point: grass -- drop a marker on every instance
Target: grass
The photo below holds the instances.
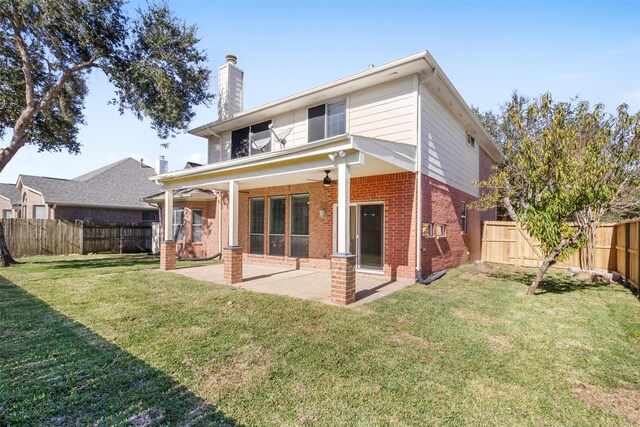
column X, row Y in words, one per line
column 105, row 340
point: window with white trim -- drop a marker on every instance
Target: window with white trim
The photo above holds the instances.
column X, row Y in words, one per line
column 471, row 141
column 196, row 225
column 178, row 224
column 276, row 225
column 327, row 120
column 250, row 140
column 299, row 233
column 39, row 212
column 256, row 225
column 441, row 230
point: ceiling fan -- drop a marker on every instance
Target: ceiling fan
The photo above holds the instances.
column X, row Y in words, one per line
column 326, row 181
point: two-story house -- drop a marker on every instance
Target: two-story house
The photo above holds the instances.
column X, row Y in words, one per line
column 369, row 173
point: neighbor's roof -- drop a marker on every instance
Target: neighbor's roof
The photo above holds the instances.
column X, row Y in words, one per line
column 9, row 191
column 119, row 185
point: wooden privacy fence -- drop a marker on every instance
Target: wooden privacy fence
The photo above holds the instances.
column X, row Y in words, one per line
column 29, row 237
column 617, row 248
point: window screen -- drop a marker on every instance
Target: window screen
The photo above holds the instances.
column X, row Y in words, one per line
column 316, row 123
column 38, row 212
column 178, row 224
column 299, row 226
column 276, row 225
column 260, row 137
column 196, row 225
column 240, row 143
column 256, row 226
column 336, row 118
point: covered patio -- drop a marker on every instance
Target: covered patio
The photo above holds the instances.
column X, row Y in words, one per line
column 309, row 284
column 347, row 158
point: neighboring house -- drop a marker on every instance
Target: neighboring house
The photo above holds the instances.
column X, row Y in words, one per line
column 109, row 194
column 9, row 201
column 373, row 172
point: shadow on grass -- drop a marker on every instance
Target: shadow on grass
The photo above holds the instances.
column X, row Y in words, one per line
column 55, row 371
column 108, row 261
column 551, row 283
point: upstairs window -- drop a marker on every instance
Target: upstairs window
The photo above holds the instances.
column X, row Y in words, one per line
column 471, row 141
column 254, row 139
column 327, row 120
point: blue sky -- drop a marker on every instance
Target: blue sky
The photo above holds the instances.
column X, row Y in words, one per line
column 487, row 49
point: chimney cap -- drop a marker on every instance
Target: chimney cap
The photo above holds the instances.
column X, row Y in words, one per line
column 231, row 59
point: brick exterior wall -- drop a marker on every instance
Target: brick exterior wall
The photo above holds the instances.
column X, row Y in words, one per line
column 442, row 204
column 72, row 213
column 397, row 192
column 210, row 244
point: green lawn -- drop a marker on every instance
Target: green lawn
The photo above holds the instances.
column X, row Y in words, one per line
column 106, row 340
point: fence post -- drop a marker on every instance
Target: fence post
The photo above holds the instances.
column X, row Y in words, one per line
column 81, row 237
column 517, row 243
column 627, row 257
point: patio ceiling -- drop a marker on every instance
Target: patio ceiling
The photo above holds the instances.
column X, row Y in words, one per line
column 298, row 165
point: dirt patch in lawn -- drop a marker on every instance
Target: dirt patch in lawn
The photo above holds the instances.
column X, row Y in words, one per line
column 474, row 316
column 500, row 342
column 405, row 338
column 236, row 375
column 623, row 401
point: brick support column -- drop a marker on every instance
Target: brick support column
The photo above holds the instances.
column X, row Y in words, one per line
column 232, row 257
column 343, row 279
column 168, row 255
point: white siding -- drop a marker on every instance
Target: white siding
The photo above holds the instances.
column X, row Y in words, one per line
column 213, row 152
column 446, row 156
column 387, row 111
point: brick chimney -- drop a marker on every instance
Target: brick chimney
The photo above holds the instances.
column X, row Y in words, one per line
column 230, row 82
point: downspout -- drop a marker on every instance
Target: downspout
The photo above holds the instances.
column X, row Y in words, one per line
column 219, row 197
column 419, row 145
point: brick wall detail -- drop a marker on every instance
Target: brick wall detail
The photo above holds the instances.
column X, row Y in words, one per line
column 212, row 212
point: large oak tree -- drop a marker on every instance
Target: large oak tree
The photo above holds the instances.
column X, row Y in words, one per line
column 48, row 48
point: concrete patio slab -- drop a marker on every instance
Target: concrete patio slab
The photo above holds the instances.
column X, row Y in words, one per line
column 303, row 283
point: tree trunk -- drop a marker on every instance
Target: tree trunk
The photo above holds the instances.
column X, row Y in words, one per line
column 5, row 256
column 551, row 259
column 548, row 262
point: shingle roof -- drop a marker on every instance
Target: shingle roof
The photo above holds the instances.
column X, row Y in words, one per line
column 10, row 192
column 120, row 184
